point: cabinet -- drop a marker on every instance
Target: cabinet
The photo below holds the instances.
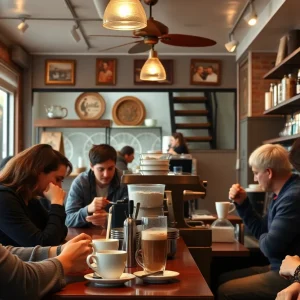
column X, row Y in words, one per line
column 289, row 65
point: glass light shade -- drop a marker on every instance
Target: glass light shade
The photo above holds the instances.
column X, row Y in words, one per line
column 124, row 15
column 153, row 69
column 23, row 26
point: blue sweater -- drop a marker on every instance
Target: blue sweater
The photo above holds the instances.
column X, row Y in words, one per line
column 83, row 192
column 279, row 231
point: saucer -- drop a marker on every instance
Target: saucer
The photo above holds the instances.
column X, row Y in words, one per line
column 158, row 278
column 109, row 282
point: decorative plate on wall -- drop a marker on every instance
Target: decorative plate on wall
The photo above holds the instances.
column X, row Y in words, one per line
column 129, row 111
column 90, row 106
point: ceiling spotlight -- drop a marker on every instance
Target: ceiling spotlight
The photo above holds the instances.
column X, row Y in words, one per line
column 75, row 34
column 124, row 15
column 23, row 26
column 153, row 69
column 251, row 17
column 231, row 45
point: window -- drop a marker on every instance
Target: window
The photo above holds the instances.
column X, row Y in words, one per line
column 6, row 124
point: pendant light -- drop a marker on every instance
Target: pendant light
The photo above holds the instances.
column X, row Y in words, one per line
column 124, row 15
column 153, row 69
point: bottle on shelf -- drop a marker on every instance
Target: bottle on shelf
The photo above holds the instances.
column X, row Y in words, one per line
column 284, row 88
column 272, row 94
column 298, row 83
column 279, row 93
column 290, row 87
column 275, row 94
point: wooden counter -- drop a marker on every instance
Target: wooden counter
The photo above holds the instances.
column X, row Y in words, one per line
column 235, row 249
column 190, row 284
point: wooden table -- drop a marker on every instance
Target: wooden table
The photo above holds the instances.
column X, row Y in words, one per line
column 190, row 284
column 235, row 249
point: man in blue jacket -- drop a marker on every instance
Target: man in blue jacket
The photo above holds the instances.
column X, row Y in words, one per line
column 278, row 232
column 92, row 190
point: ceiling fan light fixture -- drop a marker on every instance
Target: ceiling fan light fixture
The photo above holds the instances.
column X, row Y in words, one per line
column 23, row 26
column 153, row 69
column 124, row 15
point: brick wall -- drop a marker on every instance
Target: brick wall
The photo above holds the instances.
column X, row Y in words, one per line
column 262, row 63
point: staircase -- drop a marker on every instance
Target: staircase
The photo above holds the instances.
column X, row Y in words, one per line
column 193, row 116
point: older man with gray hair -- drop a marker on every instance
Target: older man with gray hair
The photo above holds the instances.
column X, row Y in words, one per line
column 278, row 231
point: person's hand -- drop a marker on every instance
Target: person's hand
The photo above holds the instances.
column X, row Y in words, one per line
column 97, row 204
column 98, row 218
column 292, row 292
column 289, row 265
column 74, row 253
column 55, row 194
column 237, row 193
column 171, row 151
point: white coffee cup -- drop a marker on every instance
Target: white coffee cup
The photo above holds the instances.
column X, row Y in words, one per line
column 109, row 264
column 103, row 244
column 224, row 208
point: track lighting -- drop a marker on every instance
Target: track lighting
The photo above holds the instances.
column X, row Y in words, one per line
column 124, row 15
column 153, row 69
column 23, row 26
column 231, row 45
column 251, row 17
column 75, row 34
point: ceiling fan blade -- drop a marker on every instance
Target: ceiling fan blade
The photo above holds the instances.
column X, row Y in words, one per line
column 110, row 35
column 184, row 40
column 102, row 50
column 139, row 48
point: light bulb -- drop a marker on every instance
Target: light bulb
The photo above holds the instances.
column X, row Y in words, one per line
column 153, row 69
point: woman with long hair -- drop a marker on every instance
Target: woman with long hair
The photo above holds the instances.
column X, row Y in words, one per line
column 36, row 172
column 177, row 144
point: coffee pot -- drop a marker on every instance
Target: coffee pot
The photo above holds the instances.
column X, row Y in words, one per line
column 56, row 111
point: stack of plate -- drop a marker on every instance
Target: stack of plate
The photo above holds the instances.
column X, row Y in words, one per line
column 154, row 164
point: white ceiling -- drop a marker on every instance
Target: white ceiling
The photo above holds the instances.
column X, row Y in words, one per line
column 207, row 18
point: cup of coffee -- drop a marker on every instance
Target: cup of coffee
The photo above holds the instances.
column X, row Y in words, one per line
column 224, row 208
column 109, row 264
column 152, row 256
column 103, row 244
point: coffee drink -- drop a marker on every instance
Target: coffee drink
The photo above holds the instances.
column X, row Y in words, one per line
column 154, row 249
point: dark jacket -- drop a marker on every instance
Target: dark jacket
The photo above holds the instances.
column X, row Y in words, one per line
column 279, row 231
column 29, row 225
column 121, row 163
column 83, row 192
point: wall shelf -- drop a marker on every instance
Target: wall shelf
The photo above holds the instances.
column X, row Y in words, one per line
column 287, row 107
column 284, row 140
column 72, row 123
column 285, row 67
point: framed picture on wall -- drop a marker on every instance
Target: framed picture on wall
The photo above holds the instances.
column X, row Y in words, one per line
column 60, row 72
column 205, row 72
column 106, row 71
column 168, row 65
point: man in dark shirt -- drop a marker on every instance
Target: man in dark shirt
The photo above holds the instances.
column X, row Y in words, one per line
column 278, row 232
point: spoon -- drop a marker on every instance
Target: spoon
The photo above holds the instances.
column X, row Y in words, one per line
column 150, row 274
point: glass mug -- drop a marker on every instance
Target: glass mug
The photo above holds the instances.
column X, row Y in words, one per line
column 152, row 256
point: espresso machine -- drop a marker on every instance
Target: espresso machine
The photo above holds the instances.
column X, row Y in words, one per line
column 182, row 188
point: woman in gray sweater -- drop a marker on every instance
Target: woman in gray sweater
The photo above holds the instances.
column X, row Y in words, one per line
column 32, row 280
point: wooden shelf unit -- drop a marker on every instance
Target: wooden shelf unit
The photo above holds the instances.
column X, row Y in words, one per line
column 284, row 140
column 290, row 106
column 287, row 107
column 291, row 62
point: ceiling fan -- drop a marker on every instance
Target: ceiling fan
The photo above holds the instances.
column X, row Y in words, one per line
column 156, row 32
